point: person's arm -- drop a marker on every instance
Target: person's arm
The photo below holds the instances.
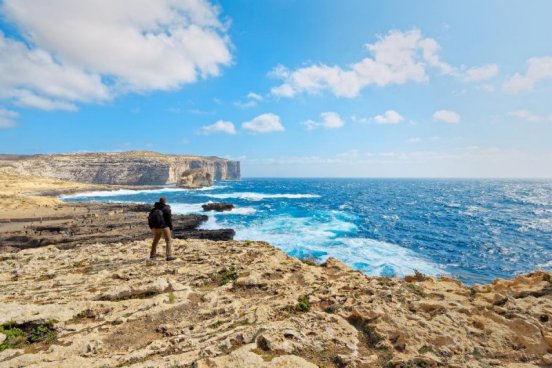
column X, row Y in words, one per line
column 168, row 216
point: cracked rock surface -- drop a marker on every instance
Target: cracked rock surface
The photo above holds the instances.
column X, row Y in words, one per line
column 248, row 304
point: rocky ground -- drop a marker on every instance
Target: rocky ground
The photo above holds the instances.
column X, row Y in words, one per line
column 248, row 304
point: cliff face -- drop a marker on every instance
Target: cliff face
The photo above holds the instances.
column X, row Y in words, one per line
column 125, row 168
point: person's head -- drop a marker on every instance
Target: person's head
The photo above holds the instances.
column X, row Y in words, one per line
column 163, row 200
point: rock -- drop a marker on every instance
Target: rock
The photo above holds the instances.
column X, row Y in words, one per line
column 123, row 168
column 2, row 338
column 195, row 178
column 219, row 234
column 219, row 207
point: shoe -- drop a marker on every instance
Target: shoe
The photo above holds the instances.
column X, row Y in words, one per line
column 171, row 258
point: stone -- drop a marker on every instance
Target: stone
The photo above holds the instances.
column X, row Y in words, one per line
column 2, row 338
column 194, row 179
column 219, row 207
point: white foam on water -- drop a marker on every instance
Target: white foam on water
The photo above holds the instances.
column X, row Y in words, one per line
column 252, row 196
column 122, row 192
column 326, row 238
column 380, row 257
column 187, row 208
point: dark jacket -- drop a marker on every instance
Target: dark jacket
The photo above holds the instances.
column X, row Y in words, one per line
column 167, row 216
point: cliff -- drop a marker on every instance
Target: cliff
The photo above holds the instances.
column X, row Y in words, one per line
column 248, row 304
column 124, row 168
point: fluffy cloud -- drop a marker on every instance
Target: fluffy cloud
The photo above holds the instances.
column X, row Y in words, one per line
column 7, row 118
column 330, row 120
column 265, row 123
column 481, row 73
column 220, row 126
column 389, row 117
column 90, row 51
column 397, row 58
column 538, row 68
column 252, row 100
column 446, row 116
column 528, row 116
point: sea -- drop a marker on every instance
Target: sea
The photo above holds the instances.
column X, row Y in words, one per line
column 472, row 230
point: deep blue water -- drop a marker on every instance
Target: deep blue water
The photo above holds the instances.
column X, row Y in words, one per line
column 474, row 230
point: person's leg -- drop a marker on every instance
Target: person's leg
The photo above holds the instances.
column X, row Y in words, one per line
column 156, row 236
column 167, row 236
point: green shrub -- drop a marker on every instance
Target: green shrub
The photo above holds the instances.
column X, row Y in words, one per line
column 303, row 304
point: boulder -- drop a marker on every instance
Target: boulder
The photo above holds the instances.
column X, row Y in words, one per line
column 195, row 178
column 218, row 234
column 219, row 207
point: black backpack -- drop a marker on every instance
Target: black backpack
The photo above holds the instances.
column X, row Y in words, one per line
column 156, row 219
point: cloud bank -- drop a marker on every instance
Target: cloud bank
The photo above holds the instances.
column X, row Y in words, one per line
column 91, row 51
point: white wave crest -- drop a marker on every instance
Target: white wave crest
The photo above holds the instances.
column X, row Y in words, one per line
column 252, row 196
column 123, row 192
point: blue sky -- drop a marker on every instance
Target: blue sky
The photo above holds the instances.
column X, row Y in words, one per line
column 290, row 88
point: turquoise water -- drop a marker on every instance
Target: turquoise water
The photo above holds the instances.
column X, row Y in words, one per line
column 474, row 230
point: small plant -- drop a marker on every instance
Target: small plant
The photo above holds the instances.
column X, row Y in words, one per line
column 227, row 276
column 546, row 277
column 30, row 333
column 416, row 289
column 419, row 276
column 311, row 261
column 171, row 297
column 303, row 304
column 14, row 336
column 472, row 294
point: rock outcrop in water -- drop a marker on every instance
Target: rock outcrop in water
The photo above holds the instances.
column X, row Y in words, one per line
column 124, row 168
column 217, row 206
column 194, row 179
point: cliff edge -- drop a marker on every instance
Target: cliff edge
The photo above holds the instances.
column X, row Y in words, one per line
column 120, row 168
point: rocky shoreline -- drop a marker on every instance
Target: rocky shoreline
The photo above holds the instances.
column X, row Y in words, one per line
column 92, row 298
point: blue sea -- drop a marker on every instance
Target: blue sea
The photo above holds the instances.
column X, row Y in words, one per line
column 473, row 230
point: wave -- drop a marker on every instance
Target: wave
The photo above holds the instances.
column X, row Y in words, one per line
column 127, row 192
column 252, row 196
column 188, row 208
column 384, row 259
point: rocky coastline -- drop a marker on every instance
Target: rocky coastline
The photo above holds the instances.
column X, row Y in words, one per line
column 90, row 297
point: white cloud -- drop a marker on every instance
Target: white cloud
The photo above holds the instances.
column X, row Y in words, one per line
column 481, row 73
column 220, row 126
column 264, row 123
column 389, row 117
column 7, row 118
column 446, row 116
column 397, row 58
column 330, row 120
column 252, row 100
column 89, row 51
column 254, row 96
column 538, row 68
column 528, row 116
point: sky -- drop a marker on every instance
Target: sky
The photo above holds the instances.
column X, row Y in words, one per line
column 290, row 88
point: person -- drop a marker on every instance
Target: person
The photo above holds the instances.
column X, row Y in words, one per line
column 160, row 223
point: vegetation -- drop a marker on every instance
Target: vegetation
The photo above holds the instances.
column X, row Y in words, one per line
column 227, row 275
column 17, row 336
column 303, row 304
column 171, row 297
column 311, row 261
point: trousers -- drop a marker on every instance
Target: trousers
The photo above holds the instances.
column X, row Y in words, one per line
column 157, row 234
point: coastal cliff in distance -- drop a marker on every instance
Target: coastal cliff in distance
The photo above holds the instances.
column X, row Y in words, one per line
column 120, row 168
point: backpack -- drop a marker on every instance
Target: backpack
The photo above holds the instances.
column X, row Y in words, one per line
column 156, row 218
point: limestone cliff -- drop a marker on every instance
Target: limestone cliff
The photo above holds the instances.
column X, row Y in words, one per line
column 122, row 168
column 195, row 178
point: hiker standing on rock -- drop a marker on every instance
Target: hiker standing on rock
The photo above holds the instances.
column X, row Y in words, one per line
column 160, row 223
